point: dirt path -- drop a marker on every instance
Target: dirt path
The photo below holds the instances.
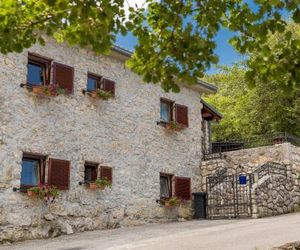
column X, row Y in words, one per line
column 258, row 234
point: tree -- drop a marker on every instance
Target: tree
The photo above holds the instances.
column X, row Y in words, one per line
column 175, row 37
column 248, row 112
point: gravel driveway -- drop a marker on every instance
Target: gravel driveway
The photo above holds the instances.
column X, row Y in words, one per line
column 258, row 234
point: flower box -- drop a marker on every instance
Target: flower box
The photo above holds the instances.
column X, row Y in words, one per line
column 30, row 193
column 48, row 90
column 38, row 90
column 172, row 202
column 173, row 126
column 100, row 93
column 92, row 186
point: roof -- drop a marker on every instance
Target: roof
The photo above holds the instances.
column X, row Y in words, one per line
column 209, row 113
column 202, row 86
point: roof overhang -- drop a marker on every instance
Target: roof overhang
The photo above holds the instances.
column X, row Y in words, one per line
column 209, row 113
column 201, row 86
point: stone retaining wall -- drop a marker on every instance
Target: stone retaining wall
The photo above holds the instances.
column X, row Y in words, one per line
column 273, row 194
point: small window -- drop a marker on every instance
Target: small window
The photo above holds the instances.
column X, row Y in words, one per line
column 93, row 82
column 90, row 172
column 166, row 110
column 96, row 82
column 165, row 186
column 33, row 171
column 38, row 71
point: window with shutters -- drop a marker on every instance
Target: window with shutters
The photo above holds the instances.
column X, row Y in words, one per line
column 90, row 172
column 33, row 170
column 106, row 173
column 38, row 70
column 59, row 173
column 98, row 86
column 183, row 188
column 173, row 116
column 165, row 186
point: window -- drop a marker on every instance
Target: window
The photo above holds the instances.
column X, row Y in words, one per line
column 93, row 82
column 90, row 172
column 33, row 170
column 166, row 110
column 38, row 70
column 165, row 186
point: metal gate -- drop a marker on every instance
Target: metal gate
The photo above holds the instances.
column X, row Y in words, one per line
column 229, row 196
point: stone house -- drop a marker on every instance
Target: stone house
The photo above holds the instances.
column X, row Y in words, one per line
column 65, row 135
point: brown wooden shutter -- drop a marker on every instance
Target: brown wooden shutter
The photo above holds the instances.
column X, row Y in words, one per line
column 59, row 173
column 183, row 188
column 106, row 172
column 181, row 115
column 109, row 86
column 94, row 173
column 63, row 76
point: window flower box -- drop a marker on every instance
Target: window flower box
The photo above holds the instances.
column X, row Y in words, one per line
column 46, row 193
column 48, row 90
column 38, row 90
column 172, row 202
column 92, row 185
column 100, row 93
column 103, row 183
column 173, row 126
column 30, row 193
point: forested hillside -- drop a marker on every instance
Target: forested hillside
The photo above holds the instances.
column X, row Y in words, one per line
column 259, row 106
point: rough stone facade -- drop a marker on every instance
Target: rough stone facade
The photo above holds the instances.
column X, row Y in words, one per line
column 274, row 193
column 121, row 133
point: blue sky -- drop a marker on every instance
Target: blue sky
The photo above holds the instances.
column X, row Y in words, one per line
column 227, row 55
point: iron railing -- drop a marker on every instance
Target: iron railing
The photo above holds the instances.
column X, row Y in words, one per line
column 270, row 168
column 218, row 177
column 217, row 148
column 212, row 156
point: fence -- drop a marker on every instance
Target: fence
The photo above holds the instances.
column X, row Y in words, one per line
column 271, row 168
column 217, row 148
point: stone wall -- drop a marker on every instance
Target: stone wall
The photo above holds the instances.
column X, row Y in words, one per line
column 274, row 193
column 121, row 133
column 246, row 160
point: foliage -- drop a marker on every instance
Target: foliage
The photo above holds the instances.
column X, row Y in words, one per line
column 103, row 183
column 176, row 38
column 46, row 192
column 173, row 125
column 105, row 95
column 173, row 201
column 247, row 111
column 54, row 90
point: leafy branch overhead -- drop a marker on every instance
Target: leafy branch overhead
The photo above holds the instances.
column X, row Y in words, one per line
column 176, row 38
